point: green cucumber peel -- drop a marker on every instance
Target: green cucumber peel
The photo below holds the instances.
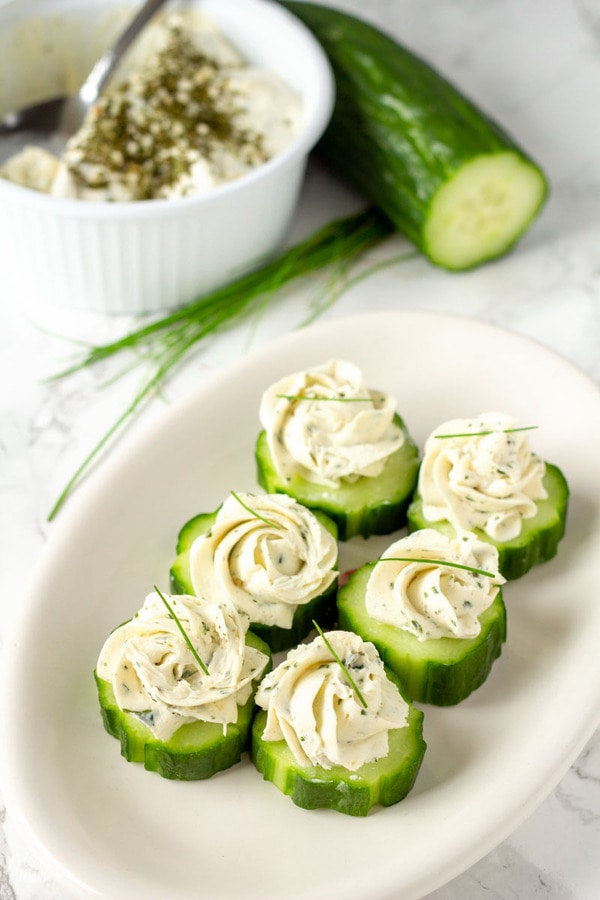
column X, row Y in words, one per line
column 293, row 397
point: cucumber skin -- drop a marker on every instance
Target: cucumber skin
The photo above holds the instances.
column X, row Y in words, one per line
column 321, row 608
column 439, row 671
column 399, row 129
column 384, row 782
column 196, row 751
column 381, row 513
column 537, row 542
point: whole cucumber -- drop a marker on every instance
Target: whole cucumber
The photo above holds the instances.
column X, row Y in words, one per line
column 446, row 175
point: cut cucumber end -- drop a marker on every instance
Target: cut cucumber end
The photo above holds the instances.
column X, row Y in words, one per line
column 483, row 210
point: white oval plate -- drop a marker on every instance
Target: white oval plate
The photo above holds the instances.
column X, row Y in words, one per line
column 116, row 831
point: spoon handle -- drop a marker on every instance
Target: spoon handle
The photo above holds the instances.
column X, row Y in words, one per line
column 104, row 68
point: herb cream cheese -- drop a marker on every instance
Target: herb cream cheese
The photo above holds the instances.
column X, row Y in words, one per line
column 325, row 425
column 480, row 473
column 267, row 553
column 433, row 586
column 188, row 116
column 156, row 677
column 312, row 705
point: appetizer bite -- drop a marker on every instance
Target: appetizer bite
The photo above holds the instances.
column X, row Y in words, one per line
column 480, row 475
column 432, row 605
column 176, row 685
column 335, row 730
column 272, row 557
column 338, row 446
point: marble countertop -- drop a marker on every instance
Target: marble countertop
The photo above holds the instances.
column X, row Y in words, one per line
column 535, row 67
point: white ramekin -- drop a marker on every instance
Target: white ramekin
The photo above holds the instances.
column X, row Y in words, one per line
column 157, row 254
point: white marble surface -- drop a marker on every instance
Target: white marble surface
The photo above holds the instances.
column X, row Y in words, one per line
column 536, row 67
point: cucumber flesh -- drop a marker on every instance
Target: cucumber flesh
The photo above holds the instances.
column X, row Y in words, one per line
column 179, row 573
column 445, row 174
column 385, row 781
column 367, row 506
column 321, row 608
column 195, row 751
column 482, row 210
column 539, row 537
column 440, row 671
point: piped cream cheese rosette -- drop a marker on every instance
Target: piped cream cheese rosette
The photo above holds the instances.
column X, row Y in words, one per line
column 338, row 446
column 481, row 473
column 268, row 554
column 432, row 586
column 325, row 425
column 312, row 705
column 156, row 677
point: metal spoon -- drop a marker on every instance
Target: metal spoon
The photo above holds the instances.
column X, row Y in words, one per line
column 62, row 116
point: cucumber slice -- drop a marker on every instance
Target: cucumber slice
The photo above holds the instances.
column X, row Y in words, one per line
column 447, row 176
column 195, row 751
column 440, row 671
column 540, row 535
column 321, row 608
column 385, row 781
column 368, row 506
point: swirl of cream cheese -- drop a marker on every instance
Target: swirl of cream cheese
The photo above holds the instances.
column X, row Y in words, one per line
column 312, row 705
column 419, row 584
column 267, row 553
column 325, row 425
column 155, row 676
column 482, row 476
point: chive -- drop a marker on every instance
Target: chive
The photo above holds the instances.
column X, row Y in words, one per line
column 164, row 342
column 342, row 666
column 183, row 631
column 254, row 513
column 329, row 399
column 491, row 431
column 437, row 562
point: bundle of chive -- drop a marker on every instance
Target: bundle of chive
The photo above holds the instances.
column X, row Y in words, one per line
column 428, row 164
